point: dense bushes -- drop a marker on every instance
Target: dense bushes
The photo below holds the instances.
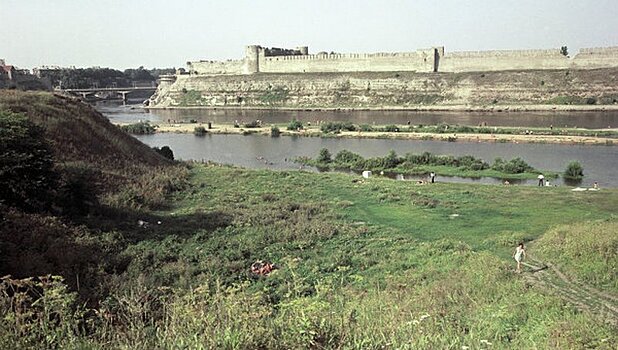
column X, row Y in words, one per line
column 408, row 163
column 337, row 127
column 574, row 171
column 141, row 128
column 200, row 131
column 324, row 156
column 26, row 163
column 274, row 131
column 295, row 125
column 514, row 166
column 165, row 151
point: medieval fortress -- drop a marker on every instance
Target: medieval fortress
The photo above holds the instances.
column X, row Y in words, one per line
column 259, row 59
column 294, row 78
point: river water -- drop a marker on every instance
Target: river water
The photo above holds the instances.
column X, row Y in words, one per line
column 590, row 120
column 256, row 151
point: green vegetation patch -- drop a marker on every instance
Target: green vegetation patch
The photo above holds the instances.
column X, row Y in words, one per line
column 274, row 96
column 141, row 128
column 586, row 251
column 423, row 164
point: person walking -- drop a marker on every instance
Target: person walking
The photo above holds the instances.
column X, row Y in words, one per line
column 519, row 255
column 432, row 175
column 541, row 178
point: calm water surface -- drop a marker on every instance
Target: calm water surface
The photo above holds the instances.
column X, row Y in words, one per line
column 589, row 120
column 255, row 151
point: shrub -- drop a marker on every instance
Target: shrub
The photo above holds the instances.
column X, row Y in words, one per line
column 200, row 131
column 514, row 166
column 26, row 162
column 165, row 151
column 366, row 127
column 77, row 189
column 141, row 128
column 336, row 127
column 253, row 124
column 347, row 157
column 275, row 132
column 295, row 125
column 391, row 160
column 574, row 171
column 391, row 128
column 325, row 156
column 472, row 163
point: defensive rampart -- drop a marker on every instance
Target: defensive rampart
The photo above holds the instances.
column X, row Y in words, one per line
column 592, row 58
column 419, row 61
column 276, row 60
column 480, row 61
column 216, row 67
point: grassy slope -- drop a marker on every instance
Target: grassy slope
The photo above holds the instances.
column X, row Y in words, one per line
column 380, row 252
column 586, row 251
column 78, row 133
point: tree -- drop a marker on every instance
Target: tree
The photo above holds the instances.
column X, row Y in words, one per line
column 574, row 171
column 564, row 51
column 325, row 156
column 26, row 163
column 165, row 151
column 138, row 74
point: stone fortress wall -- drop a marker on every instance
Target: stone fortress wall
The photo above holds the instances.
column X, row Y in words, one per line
column 259, row 59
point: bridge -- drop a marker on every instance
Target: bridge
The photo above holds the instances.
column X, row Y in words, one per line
column 120, row 91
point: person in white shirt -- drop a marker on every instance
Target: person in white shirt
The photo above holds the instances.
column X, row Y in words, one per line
column 519, row 255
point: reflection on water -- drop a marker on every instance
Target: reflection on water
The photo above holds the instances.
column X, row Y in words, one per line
column 600, row 163
column 590, row 120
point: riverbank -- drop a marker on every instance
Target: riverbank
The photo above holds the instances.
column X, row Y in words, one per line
column 314, row 131
column 419, row 108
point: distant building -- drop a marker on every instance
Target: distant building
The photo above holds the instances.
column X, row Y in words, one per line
column 9, row 71
column 12, row 77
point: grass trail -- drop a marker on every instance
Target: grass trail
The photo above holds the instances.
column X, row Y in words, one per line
column 586, row 298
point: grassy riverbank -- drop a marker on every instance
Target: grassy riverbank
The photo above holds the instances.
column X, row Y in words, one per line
column 360, row 264
column 160, row 253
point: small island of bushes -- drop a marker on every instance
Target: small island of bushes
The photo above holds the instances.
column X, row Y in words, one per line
column 422, row 164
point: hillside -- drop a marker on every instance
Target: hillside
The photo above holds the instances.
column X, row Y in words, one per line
column 393, row 89
column 78, row 133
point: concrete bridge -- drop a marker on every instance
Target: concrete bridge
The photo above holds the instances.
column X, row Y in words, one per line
column 121, row 92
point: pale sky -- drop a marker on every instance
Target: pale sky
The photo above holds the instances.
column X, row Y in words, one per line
column 156, row 33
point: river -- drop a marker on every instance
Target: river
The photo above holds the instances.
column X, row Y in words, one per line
column 590, row 120
column 256, row 151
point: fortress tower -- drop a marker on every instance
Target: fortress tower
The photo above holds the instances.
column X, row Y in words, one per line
column 252, row 61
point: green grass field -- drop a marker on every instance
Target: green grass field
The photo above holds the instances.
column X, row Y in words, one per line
column 362, row 263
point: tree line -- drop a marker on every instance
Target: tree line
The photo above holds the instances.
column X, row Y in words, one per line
column 83, row 78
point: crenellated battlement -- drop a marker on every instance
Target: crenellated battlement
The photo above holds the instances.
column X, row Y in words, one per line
column 260, row 59
column 507, row 53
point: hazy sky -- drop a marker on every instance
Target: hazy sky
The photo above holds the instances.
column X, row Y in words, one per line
column 160, row 33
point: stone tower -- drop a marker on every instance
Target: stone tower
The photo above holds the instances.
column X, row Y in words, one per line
column 252, row 62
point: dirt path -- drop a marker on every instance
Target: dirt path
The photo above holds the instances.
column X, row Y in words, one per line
column 586, row 298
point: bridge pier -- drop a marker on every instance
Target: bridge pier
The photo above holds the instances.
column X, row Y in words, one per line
column 124, row 95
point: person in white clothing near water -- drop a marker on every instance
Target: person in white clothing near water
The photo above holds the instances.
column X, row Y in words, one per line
column 541, row 178
column 519, row 255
